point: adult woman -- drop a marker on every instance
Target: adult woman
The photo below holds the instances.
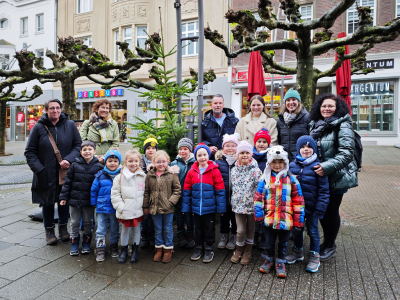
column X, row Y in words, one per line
column 292, row 122
column 101, row 128
column 256, row 119
column 43, row 162
column 331, row 127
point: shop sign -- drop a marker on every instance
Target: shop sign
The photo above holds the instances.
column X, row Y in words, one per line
column 243, row 76
column 32, row 123
column 20, row 117
column 234, row 73
column 100, row 93
column 379, row 64
column 370, row 88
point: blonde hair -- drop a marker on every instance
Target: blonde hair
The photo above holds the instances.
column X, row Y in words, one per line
column 131, row 152
column 296, row 112
column 160, row 153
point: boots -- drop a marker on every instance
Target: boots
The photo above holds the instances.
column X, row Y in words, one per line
column 74, row 245
column 87, row 240
column 167, row 255
column 313, row 262
column 246, row 258
column 63, row 232
column 144, row 242
column 114, row 250
column 237, row 255
column 50, row 236
column 135, row 253
column 101, row 254
column 123, row 256
column 190, row 239
column 159, row 253
column 268, row 265
column 182, row 239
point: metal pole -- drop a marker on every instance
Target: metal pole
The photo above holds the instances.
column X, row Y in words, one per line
column 272, row 95
column 177, row 6
column 200, row 70
column 283, row 76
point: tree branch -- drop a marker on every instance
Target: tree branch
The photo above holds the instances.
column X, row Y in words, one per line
column 9, row 96
column 268, row 61
column 328, row 19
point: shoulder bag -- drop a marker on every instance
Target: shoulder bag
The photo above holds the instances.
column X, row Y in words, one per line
column 61, row 172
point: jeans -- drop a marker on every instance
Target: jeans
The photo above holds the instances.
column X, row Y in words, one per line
column 331, row 221
column 147, row 226
column 163, row 231
column 103, row 220
column 271, row 235
column 312, row 231
column 204, row 229
column 48, row 215
column 182, row 219
column 86, row 213
column 226, row 220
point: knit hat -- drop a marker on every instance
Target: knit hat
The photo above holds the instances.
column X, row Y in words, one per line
column 306, row 140
column 292, row 94
column 263, row 133
column 230, row 138
column 244, row 146
column 275, row 152
column 185, row 142
column 201, row 146
column 115, row 153
column 150, row 141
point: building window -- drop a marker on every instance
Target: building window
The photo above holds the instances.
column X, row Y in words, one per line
column 84, row 6
column 24, row 26
column 190, row 29
column 141, row 36
column 398, row 8
column 4, row 60
column 127, row 37
column 87, row 40
column 40, row 23
column 40, row 53
column 306, row 12
column 116, row 48
column 257, row 16
column 352, row 14
column 3, row 23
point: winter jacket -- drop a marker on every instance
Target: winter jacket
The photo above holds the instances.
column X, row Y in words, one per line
column 226, row 171
column 204, row 193
column 127, row 194
column 280, row 208
column 261, row 159
column 244, row 186
column 41, row 158
column 288, row 136
column 184, row 167
column 78, row 182
column 100, row 193
column 247, row 129
column 161, row 193
column 89, row 132
column 315, row 188
column 212, row 133
column 338, row 159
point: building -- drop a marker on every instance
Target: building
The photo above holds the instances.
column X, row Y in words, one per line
column 375, row 97
column 32, row 25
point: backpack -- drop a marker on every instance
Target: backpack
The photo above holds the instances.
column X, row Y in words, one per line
column 358, row 148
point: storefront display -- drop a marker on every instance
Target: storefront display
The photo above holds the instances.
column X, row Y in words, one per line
column 372, row 106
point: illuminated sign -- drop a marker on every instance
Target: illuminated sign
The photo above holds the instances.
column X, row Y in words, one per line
column 100, row 93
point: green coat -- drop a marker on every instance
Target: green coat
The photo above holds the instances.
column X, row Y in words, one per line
column 339, row 164
column 89, row 132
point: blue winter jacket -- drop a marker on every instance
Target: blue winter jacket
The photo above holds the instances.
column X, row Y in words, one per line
column 226, row 170
column 212, row 133
column 261, row 159
column 183, row 170
column 100, row 194
column 315, row 188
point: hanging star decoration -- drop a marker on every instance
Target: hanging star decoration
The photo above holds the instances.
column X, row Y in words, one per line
column 143, row 107
column 128, row 130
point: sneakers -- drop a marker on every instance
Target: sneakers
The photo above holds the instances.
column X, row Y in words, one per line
column 74, row 245
column 268, row 265
column 223, row 241
column 198, row 252
column 63, row 232
column 208, row 255
column 101, row 254
column 280, row 268
column 50, row 236
column 182, row 239
column 114, row 250
column 232, row 242
column 327, row 253
column 313, row 263
column 123, row 256
column 87, row 240
column 296, row 255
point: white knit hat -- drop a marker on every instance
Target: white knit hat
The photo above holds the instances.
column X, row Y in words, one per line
column 242, row 147
column 275, row 152
column 230, row 138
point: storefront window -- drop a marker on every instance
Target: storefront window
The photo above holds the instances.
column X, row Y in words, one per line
column 20, row 123
column 33, row 113
column 372, row 105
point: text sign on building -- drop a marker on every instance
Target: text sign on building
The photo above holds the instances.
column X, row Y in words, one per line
column 244, row 76
column 101, row 93
column 370, row 88
column 380, row 64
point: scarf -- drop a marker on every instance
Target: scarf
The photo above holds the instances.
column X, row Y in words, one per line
column 101, row 125
column 321, row 125
column 112, row 173
column 288, row 118
column 146, row 161
column 308, row 160
column 230, row 159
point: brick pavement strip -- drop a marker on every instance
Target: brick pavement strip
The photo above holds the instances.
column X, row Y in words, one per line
column 367, row 263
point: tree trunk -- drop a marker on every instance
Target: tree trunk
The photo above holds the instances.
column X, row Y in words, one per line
column 306, row 84
column 68, row 97
column 3, row 111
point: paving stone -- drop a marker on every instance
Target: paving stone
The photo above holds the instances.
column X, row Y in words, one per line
column 111, row 267
column 111, row 295
column 219, row 256
column 21, row 236
column 51, row 296
column 170, row 294
column 66, row 266
column 34, row 242
column 20, row 267
column 4, row 282
column 52, row 252
column 4, row 245
column 11, row 219
column 14, row 252
column 147, row 263
column 30, row 286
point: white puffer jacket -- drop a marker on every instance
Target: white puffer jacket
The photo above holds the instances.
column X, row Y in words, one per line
column 127, row 196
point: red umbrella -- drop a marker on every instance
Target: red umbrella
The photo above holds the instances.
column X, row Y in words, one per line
column 343, row 77
column 256, row 84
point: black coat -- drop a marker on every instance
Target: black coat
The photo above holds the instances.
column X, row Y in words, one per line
column 78, row 182
column 288, row 136
column 226, row 171
column 211, row 132
column 41, row 158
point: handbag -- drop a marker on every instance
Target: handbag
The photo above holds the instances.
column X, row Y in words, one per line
column 61, row 172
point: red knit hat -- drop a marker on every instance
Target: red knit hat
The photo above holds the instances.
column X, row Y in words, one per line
column 263, row 133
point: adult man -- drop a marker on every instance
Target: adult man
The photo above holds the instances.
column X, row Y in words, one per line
column 217, row 122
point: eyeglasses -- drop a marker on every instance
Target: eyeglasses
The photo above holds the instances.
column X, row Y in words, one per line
column 328, row 106
column 54, row 108
column 161, row 162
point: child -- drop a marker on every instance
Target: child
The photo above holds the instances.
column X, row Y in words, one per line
column 262, row 141
column 204, row 195
column 127, row 199
column 150, row 147
column 245, row 176
column 101, row 198
column 279, row 203
column 226, row 161
column 162, row 192
column 184, row 161
column 316, row 197
column 76, row 193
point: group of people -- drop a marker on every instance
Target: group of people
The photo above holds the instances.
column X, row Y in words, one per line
column 264, row 177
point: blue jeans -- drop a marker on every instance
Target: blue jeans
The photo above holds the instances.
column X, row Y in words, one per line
column 102, row 227
column 312, row 231
column 182, row 219
column 271, row 235
column 163, row 231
